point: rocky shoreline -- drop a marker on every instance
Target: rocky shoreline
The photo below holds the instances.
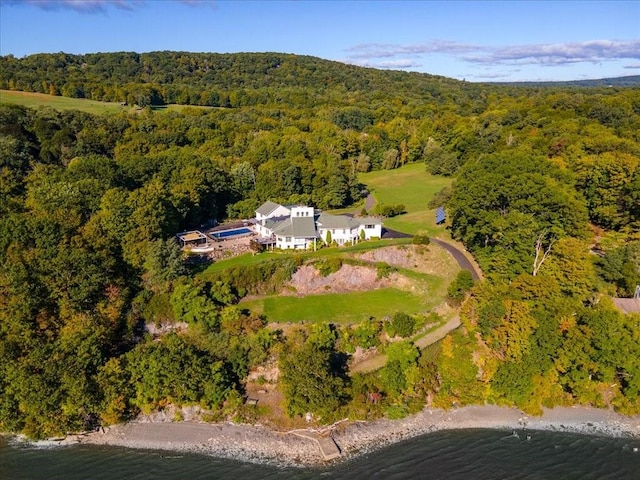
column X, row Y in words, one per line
column 258, row 444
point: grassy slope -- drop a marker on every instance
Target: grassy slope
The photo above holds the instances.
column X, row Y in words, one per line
column 352, row 307
column 35, row 100
column 413, row 187
column 428, row 290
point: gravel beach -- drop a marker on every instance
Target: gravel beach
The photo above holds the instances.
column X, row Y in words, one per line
column 259, row 444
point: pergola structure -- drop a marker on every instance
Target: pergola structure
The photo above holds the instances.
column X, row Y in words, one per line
column 192, row 238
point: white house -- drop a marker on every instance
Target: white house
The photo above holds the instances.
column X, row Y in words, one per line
column 299, row 226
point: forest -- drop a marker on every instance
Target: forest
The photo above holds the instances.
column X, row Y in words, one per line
column 546, row 195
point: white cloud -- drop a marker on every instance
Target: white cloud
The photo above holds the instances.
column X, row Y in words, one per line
column 82, row 6
column 385, row 50
column 392, row 64
column 595, row 51
column 559, row 54
column 97, row 6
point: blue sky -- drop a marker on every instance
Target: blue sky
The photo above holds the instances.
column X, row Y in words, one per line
column 476, row 40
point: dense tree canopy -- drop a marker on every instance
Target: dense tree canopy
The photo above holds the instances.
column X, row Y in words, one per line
column 89, row 205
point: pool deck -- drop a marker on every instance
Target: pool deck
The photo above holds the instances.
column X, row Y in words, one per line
column 233, row 225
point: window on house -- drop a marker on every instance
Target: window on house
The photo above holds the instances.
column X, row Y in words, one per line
column 287, row 239
column 368, row 227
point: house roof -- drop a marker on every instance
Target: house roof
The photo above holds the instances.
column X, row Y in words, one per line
column 301, row 227
column 267, row 207
column 327, row 220
column 272, row 222
column 369, row 221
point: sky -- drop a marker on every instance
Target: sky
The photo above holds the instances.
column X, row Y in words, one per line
column 480, row 41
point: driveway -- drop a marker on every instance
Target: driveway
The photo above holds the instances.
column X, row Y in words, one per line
column 459, row 257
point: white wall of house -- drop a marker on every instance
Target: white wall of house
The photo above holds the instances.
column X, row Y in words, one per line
column 261, row 229
column 371, row 230
column 295, row 243
column 301, row 211
column 339, row 235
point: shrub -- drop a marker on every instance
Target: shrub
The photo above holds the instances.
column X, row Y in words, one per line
column 461, row 285
column 390, row 210
column 264, row 278
column 384, row 270
column 421, row 239
column 403, row 324
column 396, row 412
column 367, row 334
column 328, row 266
column 328, row 238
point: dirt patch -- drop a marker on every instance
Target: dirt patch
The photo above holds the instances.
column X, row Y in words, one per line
column 429, row 259
column 262, row 387
column 350, row 278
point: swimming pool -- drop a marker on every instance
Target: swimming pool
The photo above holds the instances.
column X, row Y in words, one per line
column 234, row 232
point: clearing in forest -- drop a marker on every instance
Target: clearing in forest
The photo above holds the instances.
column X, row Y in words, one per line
column 413, row 187
column 35, row 100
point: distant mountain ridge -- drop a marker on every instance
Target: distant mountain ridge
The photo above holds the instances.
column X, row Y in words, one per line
column 213, row 79
column 237, row 79
column 626, row 81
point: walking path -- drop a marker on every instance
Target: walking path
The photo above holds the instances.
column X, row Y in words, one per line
column 369, row 202
column 438, row 334
column 379, row 361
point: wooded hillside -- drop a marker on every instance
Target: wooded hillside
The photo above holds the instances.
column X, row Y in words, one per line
column 546, row 196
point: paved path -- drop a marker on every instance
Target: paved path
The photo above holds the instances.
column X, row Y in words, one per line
column 459, row 257
column 369, row 202
column 379, row 361
column 439, row 333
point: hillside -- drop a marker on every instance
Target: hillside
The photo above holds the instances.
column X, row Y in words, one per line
column 235, row 80
column 541, row 185
column 211, row 79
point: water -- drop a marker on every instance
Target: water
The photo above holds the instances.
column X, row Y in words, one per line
column 463, row 454
column 231, row 233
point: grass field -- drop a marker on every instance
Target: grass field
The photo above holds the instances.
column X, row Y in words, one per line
column 352, row 307
column 36, row 100
column 413, row 187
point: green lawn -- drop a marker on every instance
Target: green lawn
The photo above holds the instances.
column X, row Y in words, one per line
column 35, row 100
column 413, row 187
column 351, row 307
